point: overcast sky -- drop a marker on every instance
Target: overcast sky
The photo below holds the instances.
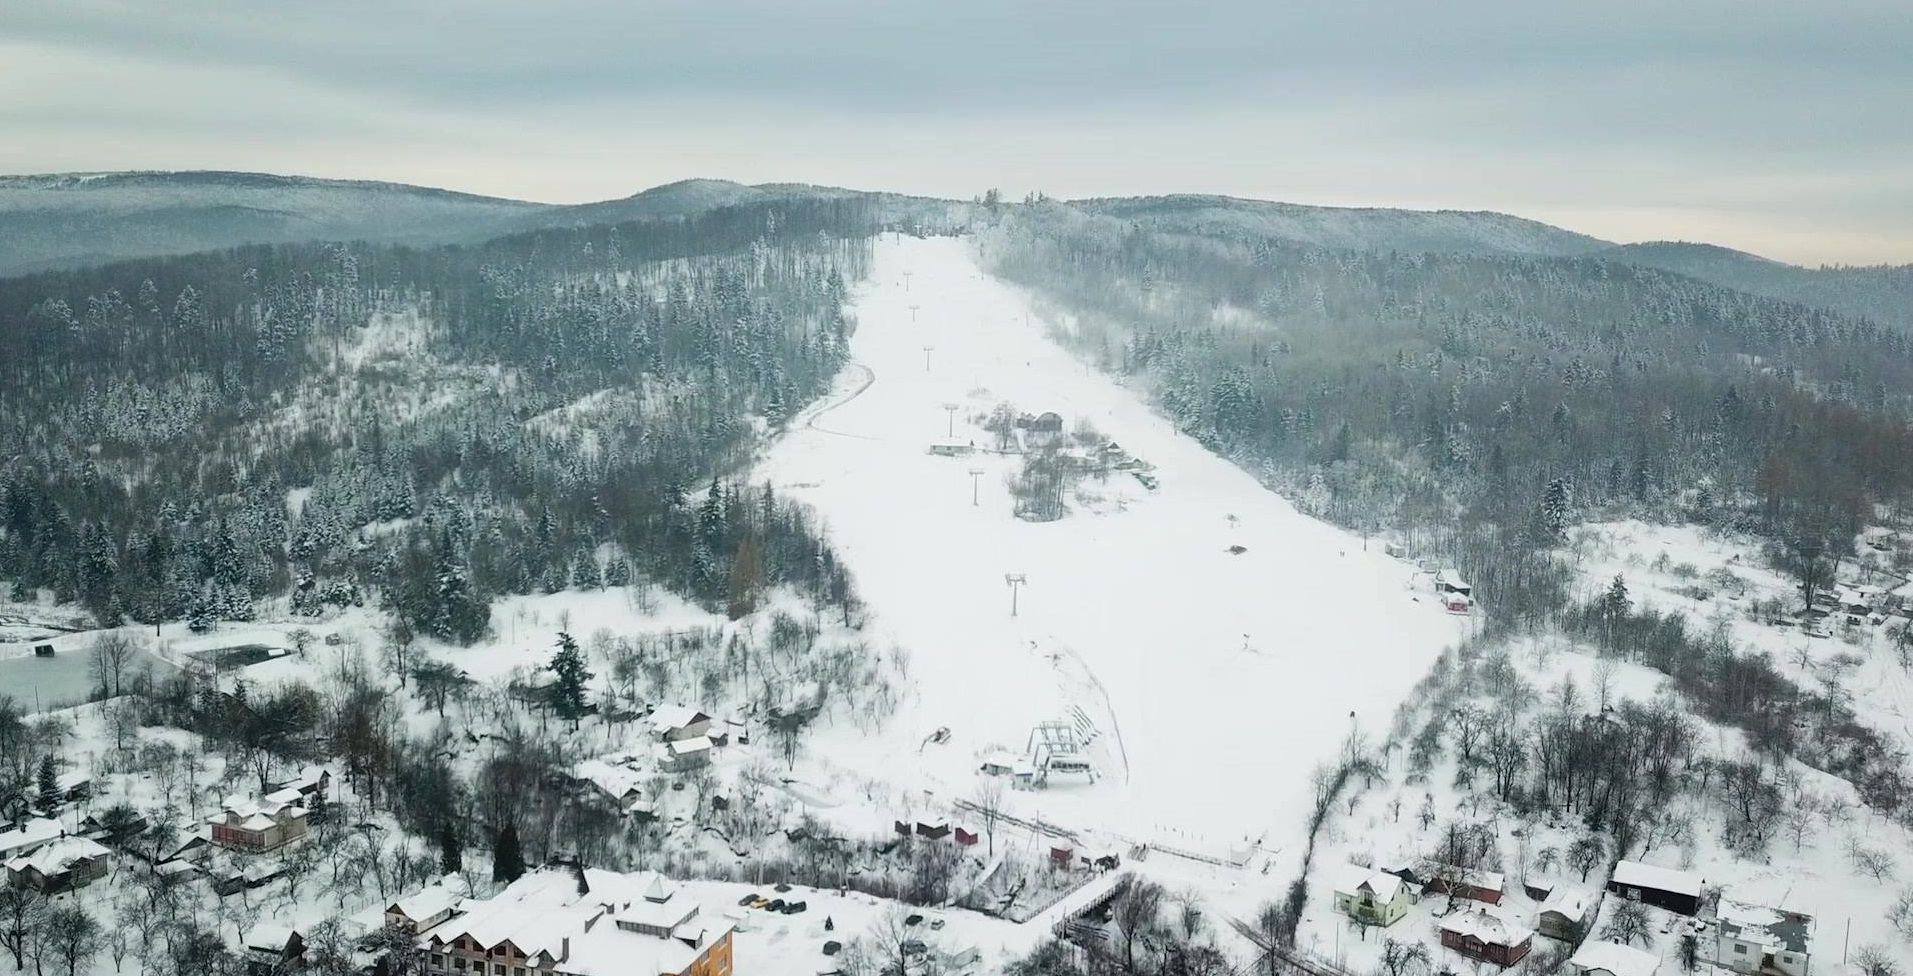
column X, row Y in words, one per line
column 1783, row 127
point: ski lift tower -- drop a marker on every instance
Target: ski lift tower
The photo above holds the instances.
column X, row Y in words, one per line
column 1055, row 747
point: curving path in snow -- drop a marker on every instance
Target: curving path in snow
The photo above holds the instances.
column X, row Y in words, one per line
column 1219, row 681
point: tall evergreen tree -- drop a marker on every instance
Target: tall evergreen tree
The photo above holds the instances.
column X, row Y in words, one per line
column 508, row 861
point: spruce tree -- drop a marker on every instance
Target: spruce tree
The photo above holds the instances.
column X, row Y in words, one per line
column 568, row 664
column 451, row 857
column 508, row 861
column 49, row 784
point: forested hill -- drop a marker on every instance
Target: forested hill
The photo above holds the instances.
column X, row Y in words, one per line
column 185, row 437
column 65, row 221
column 1347, row 228
column 1478, row 404
column 62, row 221
column 1882, row 293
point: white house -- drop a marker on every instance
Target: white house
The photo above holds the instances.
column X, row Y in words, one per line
column 1611, row 959
column 1370, row 896
column 686, row 754
column 1756, row 939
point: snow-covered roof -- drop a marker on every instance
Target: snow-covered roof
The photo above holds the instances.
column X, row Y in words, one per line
column 1350, row 878
column 1759, row 925
column 1614, row 958
column 425, row 903
column 616, row 781
column 1569, row 903
column 58, row 855
column 543, row 912
column 269, row 937
column 249, row 814
column 668, row 717
column 1487, row 925
column 694, row 744
column 1634, row 874
column 29, row 834
column 70, row 781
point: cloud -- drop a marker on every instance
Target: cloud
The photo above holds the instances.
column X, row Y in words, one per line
column 1766, row 118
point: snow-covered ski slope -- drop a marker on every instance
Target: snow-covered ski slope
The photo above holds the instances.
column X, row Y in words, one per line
column 1212, row 682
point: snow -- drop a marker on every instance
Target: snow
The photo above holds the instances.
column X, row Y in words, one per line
column 1491, row 926
column 1634, row 874
column 1209, row 684
column 1614, row 958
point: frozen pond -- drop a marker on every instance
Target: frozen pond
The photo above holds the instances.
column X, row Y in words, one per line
column 65, row 679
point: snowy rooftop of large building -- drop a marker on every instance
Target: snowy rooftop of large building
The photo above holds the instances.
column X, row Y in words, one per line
column 1615, row 958
column 1634, row 874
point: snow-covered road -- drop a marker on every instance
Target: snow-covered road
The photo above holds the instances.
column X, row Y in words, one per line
column 1215, row 681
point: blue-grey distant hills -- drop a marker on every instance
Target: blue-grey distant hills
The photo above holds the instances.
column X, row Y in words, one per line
column 68, row 220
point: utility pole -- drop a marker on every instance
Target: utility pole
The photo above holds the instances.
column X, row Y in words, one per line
column 906, row 282
column 950, row 428
column 976, row 477
column 926, row 358
column 1016, row 581
column 913, row 312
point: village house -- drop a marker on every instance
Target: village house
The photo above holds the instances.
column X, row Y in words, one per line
column 251, row 827
column 1371, row 897
column 541, row 925
column 1564, row 915
column 1482, row 886
column 28, row 836
column 309, row 781
column 683, row 755
column 272, row 948
column 1676, row 891
column 66, row 864
column 420, row 912
column 1611, row 959
column 1758, row 940
column 619, row 782
column 674, row 722
column 1046, row 430
column 1483, row 933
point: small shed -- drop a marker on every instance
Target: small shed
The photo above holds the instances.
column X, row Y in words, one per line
column 965, row 838
column 43, row 650
column 934, row 831
column 1564, row 915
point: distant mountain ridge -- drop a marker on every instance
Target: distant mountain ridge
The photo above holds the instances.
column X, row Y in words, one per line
column 63, row 220
column 1352, row 228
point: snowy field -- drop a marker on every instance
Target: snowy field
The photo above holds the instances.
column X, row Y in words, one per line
column 1213, row 683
